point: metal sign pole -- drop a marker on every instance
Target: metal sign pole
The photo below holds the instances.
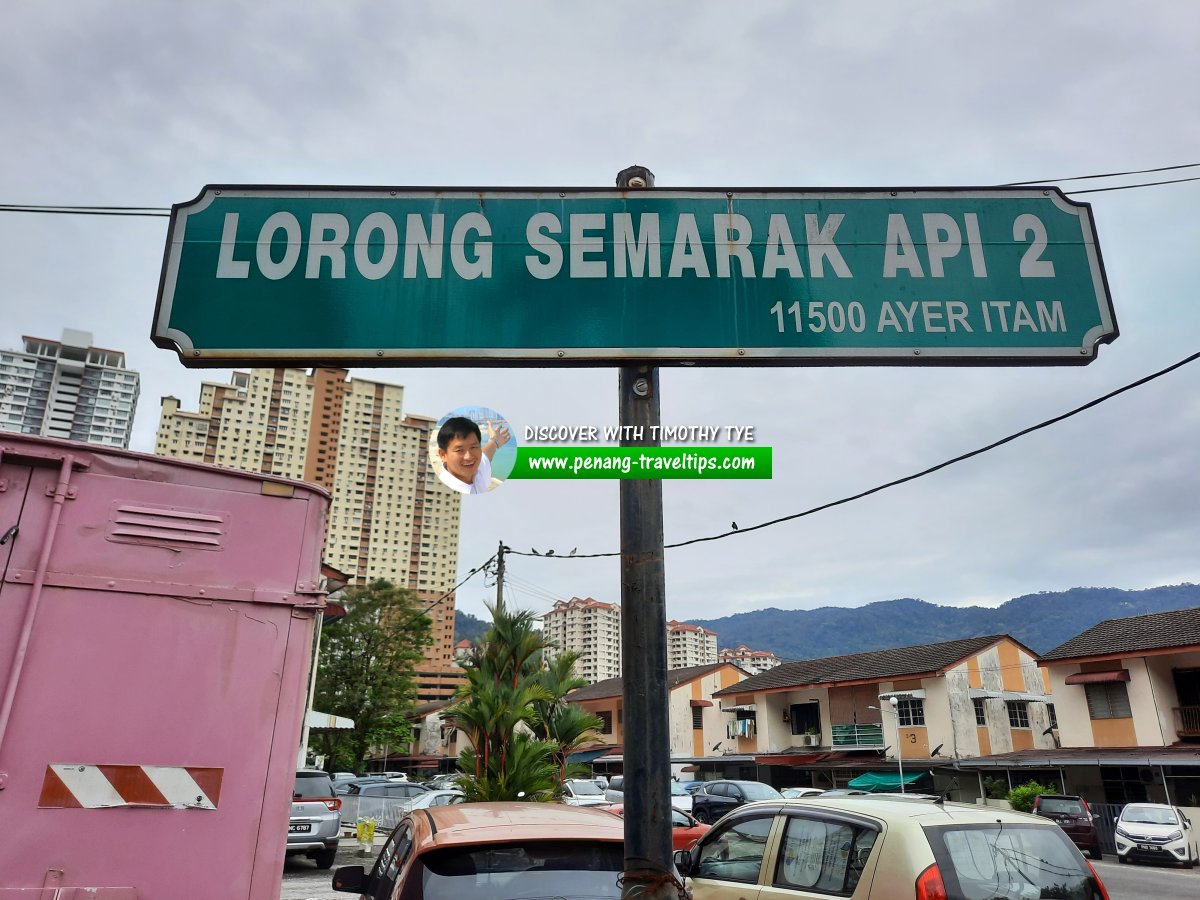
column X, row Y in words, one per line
column 646, row 743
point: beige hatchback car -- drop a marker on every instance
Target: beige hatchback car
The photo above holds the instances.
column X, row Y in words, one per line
column 868, row 848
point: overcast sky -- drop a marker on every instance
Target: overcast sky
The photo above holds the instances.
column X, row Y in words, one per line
column 142, row 103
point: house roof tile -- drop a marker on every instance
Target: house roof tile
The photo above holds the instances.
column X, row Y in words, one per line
column 1179, row 628
column 614, row 687
column 873, row 665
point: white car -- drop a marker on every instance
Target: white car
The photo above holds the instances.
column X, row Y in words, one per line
column 1156, row 832
column 583, row 792
column 681, row 798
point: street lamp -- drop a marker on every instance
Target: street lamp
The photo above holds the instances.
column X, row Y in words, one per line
column 895, row 701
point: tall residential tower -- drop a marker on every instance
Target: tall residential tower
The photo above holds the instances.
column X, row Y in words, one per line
column 68, row 389
column 390, row 516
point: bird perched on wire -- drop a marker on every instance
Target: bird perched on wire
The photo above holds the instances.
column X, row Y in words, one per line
column 734, row 524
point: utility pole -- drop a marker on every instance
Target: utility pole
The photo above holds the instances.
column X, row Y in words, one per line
column 649, row 869
column 500, row 577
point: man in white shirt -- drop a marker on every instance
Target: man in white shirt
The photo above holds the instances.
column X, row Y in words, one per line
column 467, row 466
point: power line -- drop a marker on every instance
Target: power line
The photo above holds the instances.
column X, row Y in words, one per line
column 550, row 554
column 1105, row 175
column 165, row 212
column 149, row 211
column 1126, row 187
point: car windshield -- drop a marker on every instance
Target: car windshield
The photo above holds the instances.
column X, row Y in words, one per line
column 755, row 791
column 1149, row 815
column 1005, row 861
column 678, row 790
column 1060, row 806
column 576, row 869
column 585, row 789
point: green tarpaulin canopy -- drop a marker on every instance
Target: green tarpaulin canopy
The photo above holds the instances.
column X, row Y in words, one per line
column 878, row 782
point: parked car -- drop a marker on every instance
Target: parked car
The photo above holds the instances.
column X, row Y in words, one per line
column 383, row 801
column 692, row 786
column 315, row 824
column 447, row 797
column 680, row 798
column 719, row 797
column 1072, row 814
column 615, row 792
column 443, row 781
column 873, row 849
column 583, row 792
column 685, row 830
column 795, row 793
column 1155, row 831
column 475, row 851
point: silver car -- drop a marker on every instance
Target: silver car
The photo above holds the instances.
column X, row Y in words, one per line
column 868, row 848
column 316, row 823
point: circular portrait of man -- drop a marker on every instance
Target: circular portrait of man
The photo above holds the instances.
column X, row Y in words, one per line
column 473, row 450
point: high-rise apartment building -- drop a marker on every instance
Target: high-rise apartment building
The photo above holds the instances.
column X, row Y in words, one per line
column 68, row 389
column 390, row 516
column 753, row 661
column 690, row 645
column 590, row 628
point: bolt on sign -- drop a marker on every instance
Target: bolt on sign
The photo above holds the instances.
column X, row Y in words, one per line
column 412, row 276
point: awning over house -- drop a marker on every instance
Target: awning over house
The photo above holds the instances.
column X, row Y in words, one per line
column 699, row 703
column 915, row 694
column 878, row 782
column 745, row 707
column 983, row 694
column 1098, row 677
column 318, row 721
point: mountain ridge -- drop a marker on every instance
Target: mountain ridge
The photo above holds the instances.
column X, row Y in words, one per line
column 1041, row 621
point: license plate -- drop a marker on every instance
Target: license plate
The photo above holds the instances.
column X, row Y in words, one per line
column 299, row 829
column 1150, row 847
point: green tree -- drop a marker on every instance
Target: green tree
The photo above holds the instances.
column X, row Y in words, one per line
column 1022, row 796
column 512, row 713
column 366, row 670
column 567, row 725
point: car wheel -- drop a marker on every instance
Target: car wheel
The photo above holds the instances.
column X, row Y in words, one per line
column 701, row 816
column 324, row 859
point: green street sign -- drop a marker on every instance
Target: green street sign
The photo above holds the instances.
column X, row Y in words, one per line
column 411, row 276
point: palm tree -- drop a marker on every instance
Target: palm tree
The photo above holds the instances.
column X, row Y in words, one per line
column 496, row 709
column 565, row 724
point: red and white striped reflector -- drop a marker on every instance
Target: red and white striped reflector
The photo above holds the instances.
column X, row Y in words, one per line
column 107, row 787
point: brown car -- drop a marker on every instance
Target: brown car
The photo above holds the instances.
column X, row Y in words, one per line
column 474, row 851
column 1074, row 816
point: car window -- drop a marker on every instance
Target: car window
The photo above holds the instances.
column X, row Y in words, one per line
column 679, row 820
column 535, row 869
column 391, row 860
column 312, row 787
column 1006, row 861
column 584, row 789
column 1060, row 806
column 719, row 789
column 1149, row 815
column 755, row 791
column 823, row 856
column 735, row 853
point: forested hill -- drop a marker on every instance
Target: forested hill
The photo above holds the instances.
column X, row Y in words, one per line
column 1040, row 621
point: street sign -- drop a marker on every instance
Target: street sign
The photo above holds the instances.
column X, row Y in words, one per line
column 410, row 276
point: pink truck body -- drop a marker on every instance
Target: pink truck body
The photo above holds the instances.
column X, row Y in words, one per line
column 156, row 633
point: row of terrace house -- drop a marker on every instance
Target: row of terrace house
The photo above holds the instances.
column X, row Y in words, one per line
column 826, row 722
column 1112, row 714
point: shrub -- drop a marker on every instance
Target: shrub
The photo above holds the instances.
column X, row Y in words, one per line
column 1022, row 796
column 995, row 788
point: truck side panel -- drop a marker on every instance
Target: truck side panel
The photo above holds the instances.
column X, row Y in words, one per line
column 155, row 637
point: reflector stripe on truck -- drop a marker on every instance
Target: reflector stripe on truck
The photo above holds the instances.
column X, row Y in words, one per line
column 106, row 787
